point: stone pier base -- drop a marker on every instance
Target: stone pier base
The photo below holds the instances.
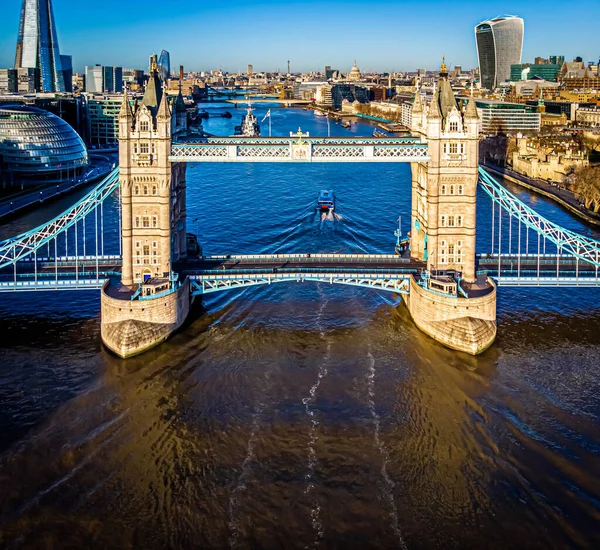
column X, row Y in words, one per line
column 132, row 327
column 463, row 324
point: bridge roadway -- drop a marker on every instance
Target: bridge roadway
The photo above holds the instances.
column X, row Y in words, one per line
column 89, row 272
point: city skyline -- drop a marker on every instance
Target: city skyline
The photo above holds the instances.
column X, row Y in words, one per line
column 322, row 34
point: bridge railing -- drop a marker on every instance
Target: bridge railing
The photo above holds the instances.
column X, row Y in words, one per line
column 567, row 242
column 27, row 244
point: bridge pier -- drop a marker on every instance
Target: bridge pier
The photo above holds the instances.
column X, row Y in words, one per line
column 462, row 324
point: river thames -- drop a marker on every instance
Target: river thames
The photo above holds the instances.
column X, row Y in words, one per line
column 300, row 415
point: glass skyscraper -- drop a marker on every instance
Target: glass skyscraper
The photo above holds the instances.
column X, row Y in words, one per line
column 164, row 65
column 37, row 44
column 499, row 45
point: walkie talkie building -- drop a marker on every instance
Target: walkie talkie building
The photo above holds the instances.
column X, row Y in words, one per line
column 37, row 44
column 499, row 45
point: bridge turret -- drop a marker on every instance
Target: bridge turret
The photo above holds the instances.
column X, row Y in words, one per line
column 443, row 234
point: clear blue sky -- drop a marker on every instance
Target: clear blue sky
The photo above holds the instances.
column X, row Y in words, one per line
column 229, row 34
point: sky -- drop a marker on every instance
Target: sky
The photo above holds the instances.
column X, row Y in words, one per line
column 382, row 35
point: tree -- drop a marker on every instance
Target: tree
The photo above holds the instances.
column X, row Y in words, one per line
column 586, row 187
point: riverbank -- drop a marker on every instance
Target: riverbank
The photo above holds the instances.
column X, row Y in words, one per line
column 564, row 198
column 17, row 202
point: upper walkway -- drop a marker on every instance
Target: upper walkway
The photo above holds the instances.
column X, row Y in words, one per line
column 297, row 148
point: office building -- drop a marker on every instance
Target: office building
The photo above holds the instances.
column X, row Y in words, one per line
column 499, row 45
column 557, row 60
column 103, row 119
column 100, row 79
column 526, row 71
column 164, row 65
column 37, row 45
column 250, row 70
column 500, row 116
column 8, row 81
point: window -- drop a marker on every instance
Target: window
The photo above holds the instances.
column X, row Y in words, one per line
column 146, row 221
column 135, row 148
column 146, row 250
column 459, row 221
column 445, row 148
column 136, row 190
column 144, row 148
column 154, row 148
column 452, row 189
column 453, row 148
column 145, row 189
column 460, row 189
column 137, row 221
column 462, row 148
column 443, row 189
column 450, row 221
column 154, row 244
column 454, row 126
column 144, row 126
column 137, row 244
column 154, row 221
column 443, row 222
column 154, row 190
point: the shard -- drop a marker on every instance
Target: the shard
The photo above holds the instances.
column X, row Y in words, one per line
column 37, row 44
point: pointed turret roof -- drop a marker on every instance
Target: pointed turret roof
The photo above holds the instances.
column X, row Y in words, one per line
column 153, row 94
column 417, row 103
column 125, row 111
column 179, row 103
column 163, row 112
column 471, row 110
column 434, row 106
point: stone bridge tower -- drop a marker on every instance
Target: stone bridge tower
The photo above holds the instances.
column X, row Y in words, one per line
column 152, row 188
column 444, row 189
column 457, row 310
column 150, row 303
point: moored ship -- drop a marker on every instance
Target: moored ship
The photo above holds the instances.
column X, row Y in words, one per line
column 249, row 126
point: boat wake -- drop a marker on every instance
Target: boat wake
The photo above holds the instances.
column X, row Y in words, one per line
column 240, row 488
column 388, row 488
column 308, row 402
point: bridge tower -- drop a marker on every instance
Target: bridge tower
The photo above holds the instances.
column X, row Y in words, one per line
column 153, row 230
column 443, row 224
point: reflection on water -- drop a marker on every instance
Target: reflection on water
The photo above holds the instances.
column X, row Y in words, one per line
column 301, row 415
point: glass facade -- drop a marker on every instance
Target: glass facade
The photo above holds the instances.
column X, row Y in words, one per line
column 498, row 116
column 526, row 71
column 499, row 45
column 37, row 44
column 35, row 144
column 164, row 65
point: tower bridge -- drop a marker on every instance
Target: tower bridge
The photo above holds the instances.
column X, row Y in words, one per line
column 147, row 288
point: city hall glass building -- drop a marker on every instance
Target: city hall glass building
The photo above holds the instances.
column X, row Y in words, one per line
column 499, row 45
column 38, row 147
column 37, row 44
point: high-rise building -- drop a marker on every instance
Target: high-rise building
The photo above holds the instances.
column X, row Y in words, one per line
column 499, row 45
column 557, row 60
column 164, row 65
column 37, row 44
column 250, row 70
column 101, row 79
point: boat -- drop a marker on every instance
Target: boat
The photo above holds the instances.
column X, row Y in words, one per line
column 249, row 126
column 326, row 201
column 226, row 114
column 203, row 114
column 345, row 124
column 319, row 113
